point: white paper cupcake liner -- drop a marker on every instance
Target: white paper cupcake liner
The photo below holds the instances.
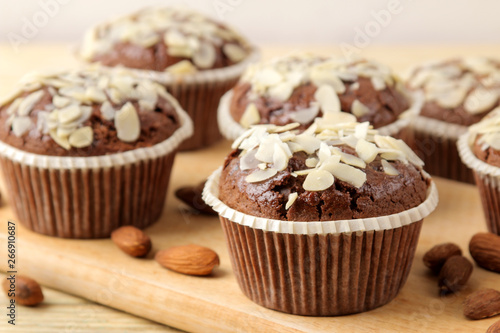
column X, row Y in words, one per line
column 231, row 129
column 320, row 268
column 199, row 94
column 436, row 144
column 89, row 197
column 488, row 182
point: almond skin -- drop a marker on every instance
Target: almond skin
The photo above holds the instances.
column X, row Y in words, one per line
column 495, row 328
column 27, row 292
column 132, row 241
column 436, row 256
column 454, row 274
column 188, row 259
column 192, row 196
column 485, row 249
column 482, row 304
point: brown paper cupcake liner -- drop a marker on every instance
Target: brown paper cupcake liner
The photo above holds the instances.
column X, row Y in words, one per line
column 320, row 268
column 199, row 94
column 89, row 197
column 436, row 145
column 231, row 129
column 488, row 183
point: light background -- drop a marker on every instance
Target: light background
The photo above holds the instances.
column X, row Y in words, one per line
column 283, row 22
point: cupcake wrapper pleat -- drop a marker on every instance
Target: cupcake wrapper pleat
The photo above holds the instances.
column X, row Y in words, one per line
column 87, row 203
column 489, row 190
column 321, row 275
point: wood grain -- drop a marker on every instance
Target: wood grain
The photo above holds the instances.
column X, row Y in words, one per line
column 101, row 273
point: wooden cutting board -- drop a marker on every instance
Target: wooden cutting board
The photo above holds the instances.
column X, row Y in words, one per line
column 100, row 272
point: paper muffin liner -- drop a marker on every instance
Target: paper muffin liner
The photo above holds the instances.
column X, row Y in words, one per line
column 487, row 179
column 231, row 129
column 320, row 268
column 436, row 144
column 89, row 197
column 199, row 94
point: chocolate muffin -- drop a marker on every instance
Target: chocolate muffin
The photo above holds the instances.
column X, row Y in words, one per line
column 458, row 93
column 480, row 150
column 310, row 208
column 196, row 58
column 299, row 88
column 95, row 146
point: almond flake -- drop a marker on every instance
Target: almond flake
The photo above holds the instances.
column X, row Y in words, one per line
column 480, row 100
column 82, row 137
column 367, row 151
column 348, row 158
column 378, row 83
column 107, row 111
column 205, row 56
column 361, row 130
column 69, row 114
column 13, row 107
column 93, row 94
column 291, row 199
column 327, row 99
column 280, row 158
column 305, row 116
column 268, row 77
column 60, row 102
column 318, row 180
column 27, row 104
column 348, row 174
column 251, row 116
column 451, row 99
column 234, row 52
column 311, row 162
column 281, row 91
column 308, row 143
column 359, row 109
column 248, row 160
column 260, row 175
column 182, row 67
column 21, row 125
column 389, row 169
column 61, row 141
column 128, row 127
column 321, row 76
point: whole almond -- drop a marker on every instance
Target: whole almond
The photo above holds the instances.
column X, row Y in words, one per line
column 495, row 328
column 132, row 241
column 192, row 196
column 454, row 274
column 485, row 249
column 188, row 259
column 26, row 291
column 482, row 304
column 436, row 256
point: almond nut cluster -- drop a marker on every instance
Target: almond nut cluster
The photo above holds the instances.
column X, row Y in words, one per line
column 278, row 79
column 268, row 149
column 72, row 97
column 473, row 82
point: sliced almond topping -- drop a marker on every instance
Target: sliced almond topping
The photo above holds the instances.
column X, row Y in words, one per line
column 27, row 104
column 250, row 117
column 348, row 174
column 348, row 158
column 94, row 94
column 12, row 109
column 205, row 56
column 366, row 150
column 262, row 166
column 21, row 125
column 359, row 109
column 389, row 169
column 311, row 162
column 234, row 52
column 175, row 38
column 69, row 114
column 291, row 199
column 107, row 111
column 305, row 116
column 480, row 100
column 451, row 99
column 128, row 127
column 268, row 77
column 318, row 180
column 248, row 160
column 321, row 76
column 281, row 91
column 308, row 143
column 82, row 137
column 327, row 99
column 260, row 175
column 60, row 101
column 280, row 158
column 378, row 82
column 182, row 67
column 61, row 141
column 361, row 130
column 64, row 132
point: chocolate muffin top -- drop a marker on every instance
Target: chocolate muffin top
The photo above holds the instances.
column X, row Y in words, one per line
column 299, row 88
column 336, row 169
column 484, row 137
column 459, row 91
column 176, row 40
column 87, row 112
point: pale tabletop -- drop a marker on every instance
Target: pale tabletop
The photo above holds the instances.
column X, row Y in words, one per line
column 65, row 313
